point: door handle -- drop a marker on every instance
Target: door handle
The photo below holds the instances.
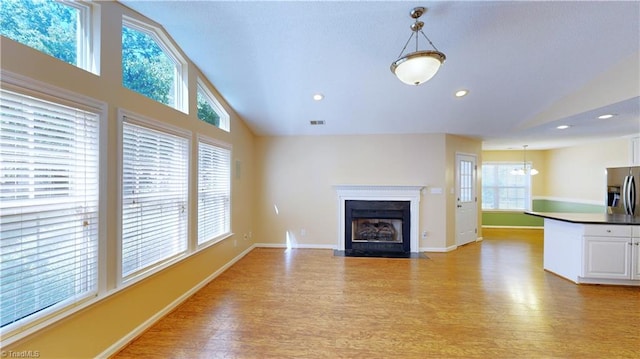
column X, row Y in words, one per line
column 631, row 192
column 626, row 198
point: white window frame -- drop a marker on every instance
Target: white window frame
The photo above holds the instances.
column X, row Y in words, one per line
column 88, row 36
column 527, row 186
column 205, row 242
column 27, row 86
column 181, row 94
column 215, row 104
column 127, row 116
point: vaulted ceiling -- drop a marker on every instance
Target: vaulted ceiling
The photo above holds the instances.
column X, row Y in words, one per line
column 529, row 66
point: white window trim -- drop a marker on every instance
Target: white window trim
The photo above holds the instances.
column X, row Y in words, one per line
column 220, row 238
column 181, row 76
column 30, row 87
column 131, row 117
column 88, row 36
column 215, row 104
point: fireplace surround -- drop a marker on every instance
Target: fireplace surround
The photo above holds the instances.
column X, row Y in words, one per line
column 409, row 196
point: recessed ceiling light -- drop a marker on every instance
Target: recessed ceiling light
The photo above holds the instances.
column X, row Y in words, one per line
column 563, row 127
column 462, row 93
column 604, row 117
column 318, row 97
column 316, row 122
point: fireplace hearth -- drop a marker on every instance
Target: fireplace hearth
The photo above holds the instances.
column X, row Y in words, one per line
column 377, row 228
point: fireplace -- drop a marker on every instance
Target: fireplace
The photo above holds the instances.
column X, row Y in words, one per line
column 390, row 223
column 377, row 227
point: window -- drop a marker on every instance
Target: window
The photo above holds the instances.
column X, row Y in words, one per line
column 62, row 30
column 502, row 190
column 466, row 178
column 210, row 110
column 149, row 67
column 48, row 208
column 214, row 191
column 154, row 196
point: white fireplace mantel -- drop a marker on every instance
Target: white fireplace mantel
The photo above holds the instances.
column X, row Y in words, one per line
column 380, row 193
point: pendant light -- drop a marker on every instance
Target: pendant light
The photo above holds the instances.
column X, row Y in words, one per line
column 524, row 170
column 417, row 67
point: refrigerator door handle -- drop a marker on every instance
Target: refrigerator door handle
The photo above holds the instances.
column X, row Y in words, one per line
column 625, row 194
column 631, row 203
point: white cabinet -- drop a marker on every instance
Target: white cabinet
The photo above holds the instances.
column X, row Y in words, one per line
column 607, row 257
column 611, row 252
column 592, row 253
column 635, row 253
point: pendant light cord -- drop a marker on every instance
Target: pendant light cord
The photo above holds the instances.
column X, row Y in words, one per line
column 407, row 43
column 430, row 43
column 409, row 39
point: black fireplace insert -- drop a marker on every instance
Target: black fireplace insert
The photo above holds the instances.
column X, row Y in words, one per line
column 377, row 228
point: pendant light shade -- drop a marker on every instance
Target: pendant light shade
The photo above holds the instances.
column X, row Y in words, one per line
column 417, row 67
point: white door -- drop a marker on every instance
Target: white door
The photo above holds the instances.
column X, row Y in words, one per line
column 466, row 199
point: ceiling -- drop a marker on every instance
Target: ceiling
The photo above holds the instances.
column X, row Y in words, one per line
column 528, row 66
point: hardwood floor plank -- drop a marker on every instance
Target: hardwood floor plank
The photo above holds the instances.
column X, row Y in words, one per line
column 490, row 299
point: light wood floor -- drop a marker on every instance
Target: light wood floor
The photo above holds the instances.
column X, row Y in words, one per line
column 490, row 299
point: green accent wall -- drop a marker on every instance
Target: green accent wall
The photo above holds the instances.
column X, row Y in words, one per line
column 510, row 219
column 519, row 219
column 545, row 205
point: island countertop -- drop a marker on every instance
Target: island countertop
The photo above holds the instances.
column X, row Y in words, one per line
column 589, row 218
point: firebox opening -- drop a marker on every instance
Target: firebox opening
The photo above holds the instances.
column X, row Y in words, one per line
column 380, row 230
column 377, row 227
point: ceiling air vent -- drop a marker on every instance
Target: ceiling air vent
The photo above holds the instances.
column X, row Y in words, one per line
column 316, row 123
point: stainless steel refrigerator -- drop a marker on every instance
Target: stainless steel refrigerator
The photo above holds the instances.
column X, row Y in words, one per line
column 622, row 190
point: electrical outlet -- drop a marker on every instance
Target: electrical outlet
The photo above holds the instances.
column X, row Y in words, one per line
column 235, row 242
column 246, row 236
column 303, row 232
column 424, row 234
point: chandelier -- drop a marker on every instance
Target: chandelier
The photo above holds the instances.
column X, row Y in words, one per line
column 419, row 66
column 524, row 170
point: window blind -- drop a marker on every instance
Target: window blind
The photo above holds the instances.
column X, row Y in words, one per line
column 214, row 191
column 48, row 206
column 154, row 197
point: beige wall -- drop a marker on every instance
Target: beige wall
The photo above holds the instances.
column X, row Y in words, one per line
column 297, row 175
column 586, row 165
column 91, row 331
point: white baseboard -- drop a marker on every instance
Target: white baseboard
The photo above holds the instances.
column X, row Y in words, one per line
column 514, row 227
column 297, row 245
column 438, row 249
column 117, row 346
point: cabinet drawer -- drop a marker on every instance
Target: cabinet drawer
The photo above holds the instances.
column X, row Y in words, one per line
column 607, row 230
column 635, row 231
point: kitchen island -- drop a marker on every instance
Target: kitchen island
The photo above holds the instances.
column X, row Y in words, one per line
column 594, row 248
